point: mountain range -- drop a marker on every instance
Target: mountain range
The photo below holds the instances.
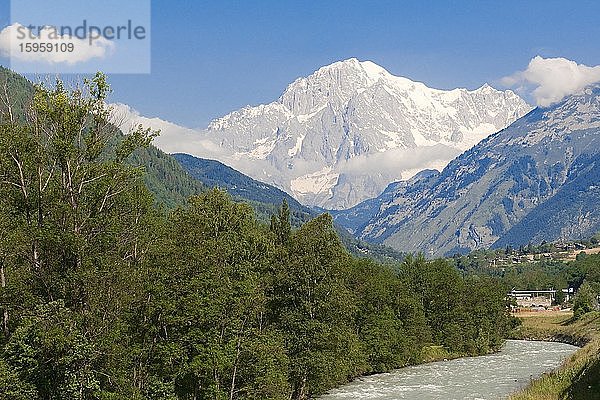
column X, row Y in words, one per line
column 538, row 179
column 342, row 134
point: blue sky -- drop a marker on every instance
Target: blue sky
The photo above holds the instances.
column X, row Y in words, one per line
column 209, row 58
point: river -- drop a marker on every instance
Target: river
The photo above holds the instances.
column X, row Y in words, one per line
column 489, row 377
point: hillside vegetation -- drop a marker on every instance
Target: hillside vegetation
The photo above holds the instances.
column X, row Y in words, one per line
column 169, row 183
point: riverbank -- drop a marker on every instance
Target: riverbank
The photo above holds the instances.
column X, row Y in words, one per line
column 434, row 353
column 492, row 376
column 579, row 376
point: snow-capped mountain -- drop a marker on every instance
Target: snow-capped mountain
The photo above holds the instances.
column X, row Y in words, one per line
column 342, row 134
column 539, row 179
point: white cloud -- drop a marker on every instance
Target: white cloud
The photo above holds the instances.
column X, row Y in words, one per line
column 173, row 138
column 401, row 163
column 553, row 78
column 12, row 36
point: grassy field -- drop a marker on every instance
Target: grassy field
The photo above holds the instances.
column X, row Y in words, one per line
column 572, row 255
column 579, row 377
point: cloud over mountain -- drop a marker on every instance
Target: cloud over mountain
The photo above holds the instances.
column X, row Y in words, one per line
column 553, row 78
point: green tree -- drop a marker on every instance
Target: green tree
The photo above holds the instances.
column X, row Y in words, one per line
column 281, row 225
column 49, row 351
column 205, row 308
column 584, row 301
column 314, row 308
column 439, row 288
column 61, row 173
column 78, row 215
column 487, row 320
column 560, row 297
column 12, row 387
column 390, row 324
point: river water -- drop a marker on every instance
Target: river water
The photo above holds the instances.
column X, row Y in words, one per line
column 489, row 377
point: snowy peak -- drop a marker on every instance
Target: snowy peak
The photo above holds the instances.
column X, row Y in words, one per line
column 333, row 84
column 337, row 83
column 343, row 133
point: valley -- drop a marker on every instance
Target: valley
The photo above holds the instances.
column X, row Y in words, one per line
column 299, row 200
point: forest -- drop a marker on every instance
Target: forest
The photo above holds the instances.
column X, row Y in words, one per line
column 106, row 295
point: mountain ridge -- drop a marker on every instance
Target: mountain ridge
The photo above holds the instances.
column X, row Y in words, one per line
column 213, row 174
column 491, row 188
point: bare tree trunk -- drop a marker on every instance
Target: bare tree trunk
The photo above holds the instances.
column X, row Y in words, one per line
column 8, row 103
column 5, row 310
column 36, row 255
column 232, row 389
column 238, row 350
column 302, row 395
column 235, row 364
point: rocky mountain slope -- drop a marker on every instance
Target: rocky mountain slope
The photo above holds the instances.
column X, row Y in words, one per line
column 539, row 179
column 342, row 134
column 212, row 173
